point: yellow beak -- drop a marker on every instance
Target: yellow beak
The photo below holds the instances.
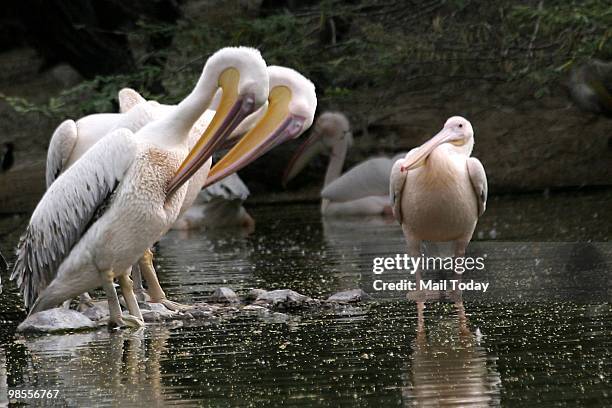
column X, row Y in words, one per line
column 277, row 125
column 231, row 111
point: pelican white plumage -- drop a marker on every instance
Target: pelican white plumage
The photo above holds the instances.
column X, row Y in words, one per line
column 362, row 190
column 438, row 191
column 100, row 215
column 220, row 204
column 72, row 139
column 295, row 102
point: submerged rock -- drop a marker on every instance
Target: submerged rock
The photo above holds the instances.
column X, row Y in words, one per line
column 201, row 314
column 254, row 294
column 96, row 312
column 149, row 316
column 349, row 296
column 224, row 295
column 56, row 320
column 224, row 304
column 284, row 299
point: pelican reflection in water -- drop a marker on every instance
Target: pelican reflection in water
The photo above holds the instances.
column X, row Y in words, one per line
column 448, row 365
column 133, row 366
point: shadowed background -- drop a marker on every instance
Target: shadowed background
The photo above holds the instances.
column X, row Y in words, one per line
column 398, row 69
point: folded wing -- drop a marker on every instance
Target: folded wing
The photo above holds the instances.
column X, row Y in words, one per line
column 69, row 207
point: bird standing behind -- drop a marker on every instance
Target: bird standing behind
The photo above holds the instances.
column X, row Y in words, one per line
column 362, row 190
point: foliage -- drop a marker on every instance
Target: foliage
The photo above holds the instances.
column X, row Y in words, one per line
column 366, row 53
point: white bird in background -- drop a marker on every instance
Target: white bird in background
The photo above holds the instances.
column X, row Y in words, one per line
column 98, row 218
column 438, row 191
column 362, row 190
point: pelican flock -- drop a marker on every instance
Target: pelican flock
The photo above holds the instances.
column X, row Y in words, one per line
column 438, row 191
column 107, row 208
column 117, row 182
column 218, row 205
column 363, row 189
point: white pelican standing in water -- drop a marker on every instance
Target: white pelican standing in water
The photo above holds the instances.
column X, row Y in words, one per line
column 438, row 191
column 290, row 111
column 97, row 219
column 224, row 198
column 362, row 190
column 72, row 139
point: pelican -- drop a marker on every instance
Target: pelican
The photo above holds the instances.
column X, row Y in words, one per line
column 223, row 202
column 72, row 139
column 438, row 191
column 363, row 190
column 101, row 214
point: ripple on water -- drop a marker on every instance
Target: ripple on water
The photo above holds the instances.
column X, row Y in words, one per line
column 540, row 336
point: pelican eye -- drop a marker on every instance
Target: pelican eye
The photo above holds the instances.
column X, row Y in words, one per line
column 461, row 125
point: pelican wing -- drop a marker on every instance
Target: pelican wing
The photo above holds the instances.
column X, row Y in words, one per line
column 70, row 205
column 396, row 187
column 60, row 147
column 478, row 178
column 369, row 178
column 128, row 98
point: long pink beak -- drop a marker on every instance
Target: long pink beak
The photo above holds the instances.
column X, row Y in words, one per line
column 420, row 154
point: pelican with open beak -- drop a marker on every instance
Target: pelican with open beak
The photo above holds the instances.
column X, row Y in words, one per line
column 102, row 213
column 438, row 191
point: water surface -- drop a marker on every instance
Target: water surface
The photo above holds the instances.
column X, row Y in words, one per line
column 540, row 336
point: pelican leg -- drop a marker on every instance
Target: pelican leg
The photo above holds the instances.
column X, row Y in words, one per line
column 155, row 291
column 85, row 301
column 139, row 291
column 463, row 321
column 127, row 288
column 421, row 339
column 115, row 319
column 460, row 247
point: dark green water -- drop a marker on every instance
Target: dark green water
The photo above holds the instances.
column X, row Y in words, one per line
column 540, row 336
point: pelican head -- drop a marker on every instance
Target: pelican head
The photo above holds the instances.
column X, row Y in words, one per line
column 331, row 133
column 291, row 106
column 241, row 76
column 457, row 133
